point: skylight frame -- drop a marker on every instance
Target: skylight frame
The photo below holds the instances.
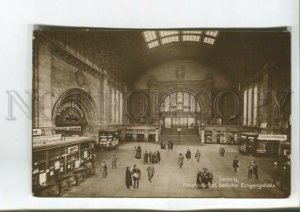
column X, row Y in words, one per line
column 156, row 38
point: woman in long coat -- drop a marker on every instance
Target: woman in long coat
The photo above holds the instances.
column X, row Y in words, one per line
column 128, row 177
column 180, row 160
column 198, row 156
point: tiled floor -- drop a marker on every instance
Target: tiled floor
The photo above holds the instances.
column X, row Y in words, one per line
column 171, row 181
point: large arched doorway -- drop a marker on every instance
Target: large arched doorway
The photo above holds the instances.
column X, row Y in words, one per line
column 74, row 112
column 179, row 110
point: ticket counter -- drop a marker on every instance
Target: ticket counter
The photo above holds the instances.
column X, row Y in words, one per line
column 140, row 135
column 152, row 136
column 129, row 135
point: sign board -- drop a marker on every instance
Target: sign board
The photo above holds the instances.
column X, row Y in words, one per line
column 263, row 125
column 72, row 149
column 36, row 132
column 272, row 137
column 179, row 129
column 46, row 138
column 69, row 128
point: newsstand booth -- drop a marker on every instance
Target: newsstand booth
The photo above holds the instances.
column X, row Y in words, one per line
column 268, row 145
column 221, row 137
column 58, row 160
column 208, row 137
column 108, row 139
column 247, row 142
column 152, row 136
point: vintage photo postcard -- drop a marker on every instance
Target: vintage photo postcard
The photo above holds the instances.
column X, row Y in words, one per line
column 202, row 113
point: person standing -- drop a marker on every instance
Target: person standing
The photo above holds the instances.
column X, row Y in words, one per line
column 172, row 145
column 255, row 171
column 198, row 156
column 235, row 164
column 151, row 172
column 275, row 173
column 136, row 176
column 138, row 152
column 158, row 156
column 150, row 157
column 180, row 160
column 104, row 169
column 128, row 177
column 114, row 161
column 250, row 170
column 188, row 154
column 146, row 157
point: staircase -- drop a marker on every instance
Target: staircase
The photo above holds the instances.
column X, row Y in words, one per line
column 184, row 131
column 187, row 136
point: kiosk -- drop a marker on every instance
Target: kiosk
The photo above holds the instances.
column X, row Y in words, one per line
column 208, row 136
column 268, row 144
column 108, row 139
column 54, row 163
column 247, row 142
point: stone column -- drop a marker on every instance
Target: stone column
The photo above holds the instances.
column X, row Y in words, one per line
column 43, row 84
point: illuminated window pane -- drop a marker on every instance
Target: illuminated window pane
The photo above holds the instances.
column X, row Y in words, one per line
column 191, row 38
column 212, row 33
column 150, row 36
column 191, row 32
column 208, row 40
column 245, row 108
column 167, row 33
column 255, row 100
column 249, row 106
column 153, row 44
column 169, row 39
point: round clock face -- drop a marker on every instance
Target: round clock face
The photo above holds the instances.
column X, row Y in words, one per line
column 80, row 78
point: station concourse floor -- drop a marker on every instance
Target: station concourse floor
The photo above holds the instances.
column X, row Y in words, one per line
column 171, row 181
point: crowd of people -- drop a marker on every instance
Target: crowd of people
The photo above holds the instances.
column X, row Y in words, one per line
column 150, row 158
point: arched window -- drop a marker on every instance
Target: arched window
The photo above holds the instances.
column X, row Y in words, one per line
column 180, row 102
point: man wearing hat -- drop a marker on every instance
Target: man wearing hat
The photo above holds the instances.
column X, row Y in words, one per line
column 136, row 176
column 104, row 169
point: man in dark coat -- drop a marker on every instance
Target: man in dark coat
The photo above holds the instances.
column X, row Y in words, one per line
column 128, row 177
column 158, row 157
column 146, row 157
column 188, row 154
column 254, row 170
column 235, row 164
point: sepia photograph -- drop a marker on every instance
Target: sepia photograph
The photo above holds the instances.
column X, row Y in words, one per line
column 161, row 113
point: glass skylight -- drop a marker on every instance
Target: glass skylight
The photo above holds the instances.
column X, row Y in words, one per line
column 158, row 38
column 191, row 38
column 209, row 40
column 150, row 35
column 191, row 32
column 212, row 33
column 167, row 33
column 169, row 39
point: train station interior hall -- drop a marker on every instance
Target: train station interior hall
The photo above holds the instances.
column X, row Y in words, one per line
column 113, row 108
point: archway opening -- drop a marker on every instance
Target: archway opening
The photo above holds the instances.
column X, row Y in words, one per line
column 74, row 113
column 179, row 110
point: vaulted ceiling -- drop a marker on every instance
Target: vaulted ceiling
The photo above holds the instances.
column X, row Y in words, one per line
column 125, row 54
